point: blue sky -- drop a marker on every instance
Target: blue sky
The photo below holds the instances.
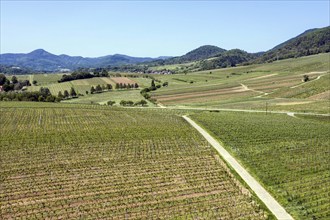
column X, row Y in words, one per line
column 153, row 28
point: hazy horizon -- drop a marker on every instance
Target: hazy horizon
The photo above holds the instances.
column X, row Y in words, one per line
column 155, row 28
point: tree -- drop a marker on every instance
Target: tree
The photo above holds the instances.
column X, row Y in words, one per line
column 44, row 91
column 18, row 86
column 66, row 94
column 50, row 98
column 111, row 103
column 104, row 73
column 92, row 90
column 109, row 86
column 73, row 92
column 25, row 83
column 60, row 95
column 3, row 79
column 136, row 85
column 34, row 82
column 123, row 103
column 98, row 88
column 129, row 103
column 153, row 83
column 117, row 86
column 165, row 84
column 142, row 103
column 306, row 78
column 14, row 80
column 41, row 98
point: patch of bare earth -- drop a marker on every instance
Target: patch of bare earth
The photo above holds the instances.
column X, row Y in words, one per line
column 262, row 77
column 293, row 103
column 107, row 80
column 122, row 80
column 321, row 96
column 238, row 89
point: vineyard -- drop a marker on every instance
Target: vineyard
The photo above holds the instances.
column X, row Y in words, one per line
column 250, row 87
column 69, row 161
column 289, row 155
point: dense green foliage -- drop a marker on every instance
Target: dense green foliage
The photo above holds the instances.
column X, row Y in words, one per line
column 64, row 162
column 12, row 84
column 289, row 155
column 13, row 70
column 43, row 95
column 229, row 58
column 203, row 52
column 311, row 42
column 84, row 74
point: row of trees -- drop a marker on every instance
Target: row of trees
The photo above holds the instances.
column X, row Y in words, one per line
column 126, row 86
column 13, row 84
column 145, row 92
column 99, row 88
column 67, row 95
column 84, row 74
column 43, row 95
column 131, row 103
column 108, row 87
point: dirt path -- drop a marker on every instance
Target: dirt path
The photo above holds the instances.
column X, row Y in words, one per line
column 304, row 83
column 245, row 88
column 31, row 79
column 231, row 110
column 161, row 105
column 263, row 195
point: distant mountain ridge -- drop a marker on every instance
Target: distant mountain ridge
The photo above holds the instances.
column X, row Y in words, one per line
column 41, row 60
column 310, row 42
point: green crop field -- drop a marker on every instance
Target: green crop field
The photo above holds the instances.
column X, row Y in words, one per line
column 82, row 86
column 116, row 95
column 74, row 161
column 289, row 155
column 279, row 84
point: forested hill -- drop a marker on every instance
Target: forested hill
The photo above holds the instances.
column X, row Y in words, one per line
column 229, row 58
column 310, row 42
column 201, row 53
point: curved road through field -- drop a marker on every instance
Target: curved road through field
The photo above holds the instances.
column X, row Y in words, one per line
column 263, row 195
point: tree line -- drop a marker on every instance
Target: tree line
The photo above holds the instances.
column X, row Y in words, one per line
column 43, row 95
column 84, row 74
column 12, row 85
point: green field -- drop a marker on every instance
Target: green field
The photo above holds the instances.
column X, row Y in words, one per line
column 289, row 155
column 84, row 161
column 279, row 84
column 102, row 98
column 82, row 86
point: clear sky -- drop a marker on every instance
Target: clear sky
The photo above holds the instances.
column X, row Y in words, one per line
column 153, row 28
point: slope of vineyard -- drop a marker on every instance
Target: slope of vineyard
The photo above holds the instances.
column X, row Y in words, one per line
column 289, row 155
column 69, row 161
column 279, row 84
